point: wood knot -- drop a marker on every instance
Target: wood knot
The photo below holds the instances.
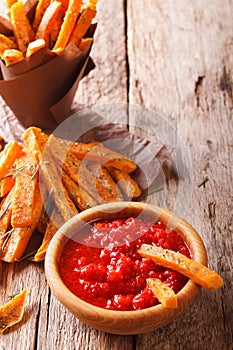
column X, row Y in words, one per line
column 211, row 210
column 198, row 89
column 226, row 83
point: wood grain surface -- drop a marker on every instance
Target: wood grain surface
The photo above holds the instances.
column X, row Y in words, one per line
column 175, row 58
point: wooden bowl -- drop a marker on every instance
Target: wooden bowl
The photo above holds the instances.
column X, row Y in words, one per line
column 122, row 322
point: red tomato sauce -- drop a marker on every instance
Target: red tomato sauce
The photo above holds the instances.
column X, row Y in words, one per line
column 105, row 269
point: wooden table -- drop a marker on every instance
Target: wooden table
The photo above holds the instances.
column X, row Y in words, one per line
column 176, row 58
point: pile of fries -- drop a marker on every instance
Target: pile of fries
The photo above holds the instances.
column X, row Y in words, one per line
column 45, row 181
column 56, row 23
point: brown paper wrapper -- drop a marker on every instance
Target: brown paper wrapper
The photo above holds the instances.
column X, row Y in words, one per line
column 5, row 26
column 154, row 160
column 155, row 164
column 40, row 89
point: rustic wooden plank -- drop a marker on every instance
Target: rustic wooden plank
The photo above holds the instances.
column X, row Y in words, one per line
column 15, row 277
column 47, row 324
column 181, row 66
column 107, row 83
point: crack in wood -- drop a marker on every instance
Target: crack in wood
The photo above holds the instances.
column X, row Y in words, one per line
column 37, row 326
column 48, row 314
column 211, row 210
column 126, row 48
column 198, row 88
column 223, row 312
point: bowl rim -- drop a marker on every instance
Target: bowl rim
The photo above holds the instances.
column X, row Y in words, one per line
column 60, row 238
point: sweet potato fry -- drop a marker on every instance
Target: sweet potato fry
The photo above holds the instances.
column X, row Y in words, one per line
column 24, row 196
column 40, row 10
column 8, row 156
column 79, row 173
column 163, row 293
column 17, row 242
column 79, row 196
column 105, row 185
column 12, row 312
column 22, row 29
column 35, row 141
column 129, row 187
column 53, row 179
column 6, row 185
column 93, row 2
column 199, row 273
column 51, row 22
column 59, row 146
column 65, row 4
column 35, row 46
column 5, row 216
column 19, row 237
column 98, row 153
column 56, row 28
column 9, row 3
column 5, row 44
column 83, row 24
column 54, row 223
column 48, row 206
column 85, row 42
column 12, row 56
column 68, row 23
column 49, row 233
column 76, row 169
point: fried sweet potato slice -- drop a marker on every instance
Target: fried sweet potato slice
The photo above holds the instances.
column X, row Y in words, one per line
column 35, row 46
column 24, row 195
column 68, row 23
column 52, row 178
column 22, row 28
column 78, row 171
column 40, row 10
column 98, row 153
column 35, row 141
column 17, row 243
column 84, row 43
column 83, row 24
column 19, row 237
column 49, row 233
column 8, row 156
column 126, row 183
column 197, row 272
column 51, row 22
column 74, row 167
column 5, row 44
column 6, row 185
column 55, row 222
column 79, row 196
column 163, row 293
column 9, row 3
column 65, row 4
column 105, row 185
column 12, row 312
column 12, row 56
column 5, row 216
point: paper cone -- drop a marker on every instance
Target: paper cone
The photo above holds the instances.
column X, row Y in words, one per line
column 40, row 89
column 33, row 93
column 5, row 26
